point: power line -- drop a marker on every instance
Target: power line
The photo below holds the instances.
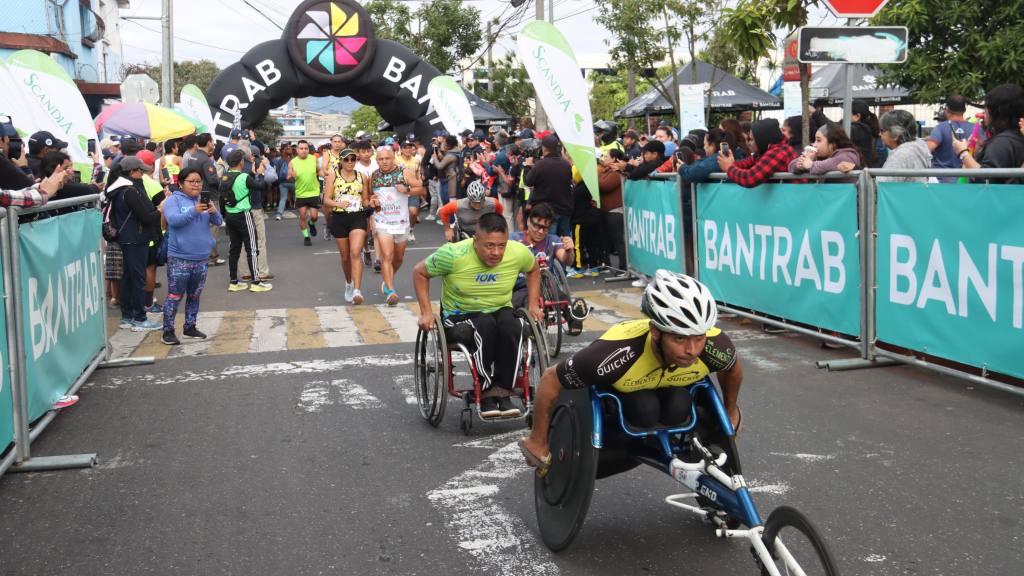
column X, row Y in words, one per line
column 269, row 19
column 143, row 26
column 576, row 13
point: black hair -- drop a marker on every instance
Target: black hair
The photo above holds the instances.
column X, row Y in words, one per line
column 452, row 142
column 50, row 162
column 956, row 103
column 543, row 211
column 235, row 157
column 217, row 149
column 362, row 145
column 188, row 171
column 151, row 146
column 716, row 136
column 616, row 154
column 203, row 139
column 492, row 222
column 130, row 146
column 1004, row 108
column 188, row 142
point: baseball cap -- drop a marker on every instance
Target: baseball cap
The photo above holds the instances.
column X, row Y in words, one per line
column 107, row 153
column 409, row 140
column 40, row 140
column 347, row 152
column 466, row 133
column 235, row 157
column 525, row 134
column 236, row 133
column 129, row 163
column 551, row 142
column 147, row 157
column 361, row 134
column 7, row 127
column 479, row 135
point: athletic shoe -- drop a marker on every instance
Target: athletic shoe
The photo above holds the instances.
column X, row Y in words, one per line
column 169, row 338
column 393, row 298
column 349, row 292
column 306, row 241
column 65, row 401
column 194, row 332
column 366, row 258
column 278, row 216
column 357, row 297
column 312, row 228
column 147, row 326
column 156, row 308
column 579, row 309
column 261, row 287
column 217, row 261
column 237, row 286
column 639, row 283
column 327, row 235
column 430, row 218
column 592, row 272
column 376, row 265
column 573, row 273
column 412, row 237
column 621, row 276
column 126, row 323
column 489, row 407
column 507, row 408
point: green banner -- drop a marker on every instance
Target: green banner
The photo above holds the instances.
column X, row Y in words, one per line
column 63, row 303
column 654, row 226
column 787, row 250
column 950, row 259
column 6, row 402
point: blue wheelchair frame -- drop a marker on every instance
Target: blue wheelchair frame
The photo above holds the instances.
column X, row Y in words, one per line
column 734, row 500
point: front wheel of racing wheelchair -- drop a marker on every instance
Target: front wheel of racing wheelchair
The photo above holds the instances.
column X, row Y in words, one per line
column 590, row 439
column 435, row 381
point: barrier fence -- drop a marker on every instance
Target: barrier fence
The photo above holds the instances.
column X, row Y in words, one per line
column 54, row 322
column 921, row 273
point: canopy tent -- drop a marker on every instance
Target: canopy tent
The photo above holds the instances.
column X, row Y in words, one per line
column 829, row 82
column 728, row 93
column 484, row 113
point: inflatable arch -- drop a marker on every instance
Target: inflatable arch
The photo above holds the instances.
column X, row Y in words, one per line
column 328, row 48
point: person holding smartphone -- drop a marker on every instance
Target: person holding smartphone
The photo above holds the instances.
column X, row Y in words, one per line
column 189, row 213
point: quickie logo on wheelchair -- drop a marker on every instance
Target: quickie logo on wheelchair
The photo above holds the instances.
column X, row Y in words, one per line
column 486, row 278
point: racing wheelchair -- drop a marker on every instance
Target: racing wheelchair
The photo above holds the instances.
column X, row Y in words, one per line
column 590, row 439
column 435, row 377
column 556, row 304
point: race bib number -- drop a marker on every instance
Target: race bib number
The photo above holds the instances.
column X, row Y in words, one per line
column 393, row 216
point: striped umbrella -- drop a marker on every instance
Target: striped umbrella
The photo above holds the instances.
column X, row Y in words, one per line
column 143, row 120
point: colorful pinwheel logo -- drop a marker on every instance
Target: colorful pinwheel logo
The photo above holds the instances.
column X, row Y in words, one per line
column 333, row 39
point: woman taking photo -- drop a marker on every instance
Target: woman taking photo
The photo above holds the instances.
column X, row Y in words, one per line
column 188, row 250
column 833, row 151
column 347, row 196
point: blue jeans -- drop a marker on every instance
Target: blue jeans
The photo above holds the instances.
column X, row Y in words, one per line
column 286, row 189
column 443, row 193
column 563, row 226
column 133, row 282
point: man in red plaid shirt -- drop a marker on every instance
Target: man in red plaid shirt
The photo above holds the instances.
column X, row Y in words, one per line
column 772, row 154
column 35, row 195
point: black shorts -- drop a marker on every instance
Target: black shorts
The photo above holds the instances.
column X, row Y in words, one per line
column 151, row 255
column 307, row 202
column 344, row 222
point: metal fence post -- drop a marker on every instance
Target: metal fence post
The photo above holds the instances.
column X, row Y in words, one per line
column 694, row 230
column 870, row 257
column 16, row 338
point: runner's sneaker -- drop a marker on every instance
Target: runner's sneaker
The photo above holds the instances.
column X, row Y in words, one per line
column 489, row 407
column 639, row 283
column 65, row 401
column 430, row 217
column 312, row 228
column 357, row 297
column 376, row 265
column 193, row 332
column 277, row 217
column 237, row 286
column 169, row 338
column 306, row 241
column 393, row 298
column 366, row 258
column 579, row 309
column 412, row 237
column 592, row 272
column 349, row 292
column 125, row 323
column 573, row 273
column 147, row 326
column 217, row 261
column 506, row 407
column 156, row 308
column 261, row 287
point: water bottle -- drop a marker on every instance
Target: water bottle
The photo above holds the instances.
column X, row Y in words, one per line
column 542, row 260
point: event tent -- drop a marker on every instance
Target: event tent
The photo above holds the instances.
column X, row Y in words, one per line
column 829, row 82
column 728, row 93
column 484, row 113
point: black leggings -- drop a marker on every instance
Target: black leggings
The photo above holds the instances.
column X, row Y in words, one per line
column 497, row 338
column 647, row 408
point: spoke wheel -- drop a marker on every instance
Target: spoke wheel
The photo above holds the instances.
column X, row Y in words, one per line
column 796, row 546
column 553, row 322
column 431, row 373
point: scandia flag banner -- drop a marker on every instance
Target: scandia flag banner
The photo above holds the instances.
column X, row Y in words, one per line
column 14, row 104
column 451, row 104
column 556, row 76
column 57, row 104
column 193, row 103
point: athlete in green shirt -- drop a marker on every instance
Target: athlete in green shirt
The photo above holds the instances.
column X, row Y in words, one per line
column 303, row 169
column 476, row 303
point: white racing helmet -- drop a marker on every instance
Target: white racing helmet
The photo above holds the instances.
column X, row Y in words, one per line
column 678, row 304
column 476, row 191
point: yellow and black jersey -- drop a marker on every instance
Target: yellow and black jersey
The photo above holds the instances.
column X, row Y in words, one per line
column 623, row 359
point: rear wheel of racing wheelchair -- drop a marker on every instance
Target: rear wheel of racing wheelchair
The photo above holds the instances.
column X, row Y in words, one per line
column 553, row 321
column 431, row 369
column 796, row 545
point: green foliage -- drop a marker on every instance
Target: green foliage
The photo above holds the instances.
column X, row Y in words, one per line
column 509, row 88
column 442, row 32
column 269, row 131
column 364, row 118
column 608, row 94
column 198, row 72
column 957, row 47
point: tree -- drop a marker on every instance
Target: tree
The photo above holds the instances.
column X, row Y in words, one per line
column 364, row 118
column 508, row 87
column 269, row 131
column 198, row 72
column 608, row 94
column 442, row 32
column 956, row 47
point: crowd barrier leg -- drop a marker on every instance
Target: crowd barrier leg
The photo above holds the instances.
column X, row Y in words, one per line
column 23, row 435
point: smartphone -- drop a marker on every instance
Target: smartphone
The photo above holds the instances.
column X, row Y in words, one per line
column 92, row 146
column 78, row 176
column 726, row 151
column 204, row 197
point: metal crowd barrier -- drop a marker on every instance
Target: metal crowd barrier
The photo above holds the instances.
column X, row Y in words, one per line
column 866, row 342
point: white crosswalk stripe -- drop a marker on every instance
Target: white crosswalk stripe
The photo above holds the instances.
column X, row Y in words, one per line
column 337, row 326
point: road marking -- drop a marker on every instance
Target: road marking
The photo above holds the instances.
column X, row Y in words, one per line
column 406, row 383
column 402, row 320
column 805, row 457
column 314, row 396
column 235, row 334
column 619, row 308
column 304, row 330
column 317, row 394
column 337, row 326
column 356, row 396
column 270, row 331
column 208, row 323
column 123, row 341
column 499, row 541
column 372, row 326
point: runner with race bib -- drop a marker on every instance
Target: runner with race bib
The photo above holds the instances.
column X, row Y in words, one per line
column 391, row 186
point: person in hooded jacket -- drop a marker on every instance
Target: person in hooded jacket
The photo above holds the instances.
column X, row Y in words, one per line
column 833, row 151
column 899, row 133
column 771, row 154
column 138, row 223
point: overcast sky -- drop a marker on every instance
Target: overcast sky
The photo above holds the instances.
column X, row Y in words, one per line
column 223, row 30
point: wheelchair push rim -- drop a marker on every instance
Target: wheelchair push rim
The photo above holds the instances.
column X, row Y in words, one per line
column 431, row 372
column 552, row 305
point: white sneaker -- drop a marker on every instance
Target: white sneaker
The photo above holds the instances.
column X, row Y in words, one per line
column 357, row 297
column 412, row 237
column 430, row 218
column 640, row 283
column 349, row 292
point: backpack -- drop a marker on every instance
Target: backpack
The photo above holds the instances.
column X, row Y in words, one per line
column 109, row 230
column 227, row 193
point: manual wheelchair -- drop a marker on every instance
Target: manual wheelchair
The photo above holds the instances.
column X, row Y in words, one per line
column 435, row 377
column 590, row 439
column 556, row 302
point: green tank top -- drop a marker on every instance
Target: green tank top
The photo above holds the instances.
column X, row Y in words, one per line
column 306, row 183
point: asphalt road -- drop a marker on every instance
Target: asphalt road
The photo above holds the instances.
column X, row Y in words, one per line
column 315, row 462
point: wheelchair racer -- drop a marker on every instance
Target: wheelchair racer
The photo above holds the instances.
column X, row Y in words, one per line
column 648, row 363
column 468, row 210
column 559, row 253
column 476, row 304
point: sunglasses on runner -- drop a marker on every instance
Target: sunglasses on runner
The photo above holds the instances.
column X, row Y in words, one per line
column 349, row 159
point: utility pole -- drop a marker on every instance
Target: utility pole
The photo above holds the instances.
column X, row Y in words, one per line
column 490, row 45
column 541, row 121
column 167, row 56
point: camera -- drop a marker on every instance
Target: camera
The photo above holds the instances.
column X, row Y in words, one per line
column 530, row 148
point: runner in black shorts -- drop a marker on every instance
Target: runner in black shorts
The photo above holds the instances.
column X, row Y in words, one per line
column 347, row 196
